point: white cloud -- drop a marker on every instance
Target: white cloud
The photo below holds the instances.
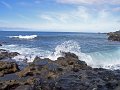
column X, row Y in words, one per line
column 79, row 14
column 52, row 17
column 79, row 19
column 76, row 1
column 103, row 14
column 117, row 9
column 82, row 13
column 89, row 1
column 6, row 4
column 63, row 17
column 88, row 27
column 46, row 17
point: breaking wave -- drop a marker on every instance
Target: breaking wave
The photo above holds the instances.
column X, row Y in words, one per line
column 26, row 53
column 24, row 37
column 109, row 59
column 29, row 54
column 70, row 46
column 105, row 59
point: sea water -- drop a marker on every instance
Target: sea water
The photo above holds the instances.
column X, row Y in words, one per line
column 93, row 48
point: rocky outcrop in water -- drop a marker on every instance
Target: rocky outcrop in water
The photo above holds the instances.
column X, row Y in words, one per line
column 114, row 36
column 0, row 44
column 4, row 54
column 66, row 73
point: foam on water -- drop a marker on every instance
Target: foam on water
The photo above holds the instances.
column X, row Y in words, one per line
column 26, row 53
column 24, row 37
column 70, row 46
column 107, row 59
column 29, row 54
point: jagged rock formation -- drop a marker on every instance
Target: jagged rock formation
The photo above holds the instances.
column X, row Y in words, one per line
column 4, row 54
column 66, row 73
column 114, row 36
column 8, row 67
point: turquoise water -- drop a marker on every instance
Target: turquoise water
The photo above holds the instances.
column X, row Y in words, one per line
column 94, row 48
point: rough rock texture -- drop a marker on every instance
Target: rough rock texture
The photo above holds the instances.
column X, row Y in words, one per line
column 66, row 73
column 6, row 54
column 8, row 67
column 114, row 36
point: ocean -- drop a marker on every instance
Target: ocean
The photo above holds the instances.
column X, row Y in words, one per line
column 93, row 48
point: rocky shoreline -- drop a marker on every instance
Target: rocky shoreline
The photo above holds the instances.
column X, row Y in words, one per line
column 114, row 36
column 66, row 73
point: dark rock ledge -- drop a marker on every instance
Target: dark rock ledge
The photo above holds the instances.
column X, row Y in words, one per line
column 114, row 36
column 4, row 54
column 66, row 73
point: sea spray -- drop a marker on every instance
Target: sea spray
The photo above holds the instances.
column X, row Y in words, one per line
column 26, row 53
column 73, row 47
column 109, row 59
column 29, row 54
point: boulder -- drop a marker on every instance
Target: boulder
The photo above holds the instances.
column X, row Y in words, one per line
column 28, row 71
column 71, row 62
column 6, row 54
column 53, row 69
column 42, row 67
column 30, row 83
column 8, row 67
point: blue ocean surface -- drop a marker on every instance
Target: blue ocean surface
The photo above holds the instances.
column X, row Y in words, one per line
column 94, row 48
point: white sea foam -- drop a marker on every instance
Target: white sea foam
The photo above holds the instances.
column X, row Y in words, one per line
column 29, row 54
column 105, row 59
column 24, row 37
column 70, row 46
column 26, row 53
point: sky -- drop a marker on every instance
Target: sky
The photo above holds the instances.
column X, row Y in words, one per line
column 60, row 15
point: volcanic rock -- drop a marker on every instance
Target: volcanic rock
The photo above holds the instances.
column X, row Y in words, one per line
column 8, row 67
column 6, row 54
column 66, row 73
column 114, row 36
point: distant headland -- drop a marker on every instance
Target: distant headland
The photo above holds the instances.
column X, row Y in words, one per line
column 114, row 36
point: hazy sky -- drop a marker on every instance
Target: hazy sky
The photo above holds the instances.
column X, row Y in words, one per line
column 61, row 15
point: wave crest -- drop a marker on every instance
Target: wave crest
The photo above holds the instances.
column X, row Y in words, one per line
column 24, row 37
column 102, row 59
column 72, row 47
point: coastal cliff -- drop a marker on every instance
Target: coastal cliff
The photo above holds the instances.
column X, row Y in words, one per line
column 114, row 36
column 66, row 73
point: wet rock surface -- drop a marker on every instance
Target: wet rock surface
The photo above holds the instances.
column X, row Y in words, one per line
column 0, row 44
column 66, row 73
column 8, row 67
column 114, row 36
column 4, row 54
